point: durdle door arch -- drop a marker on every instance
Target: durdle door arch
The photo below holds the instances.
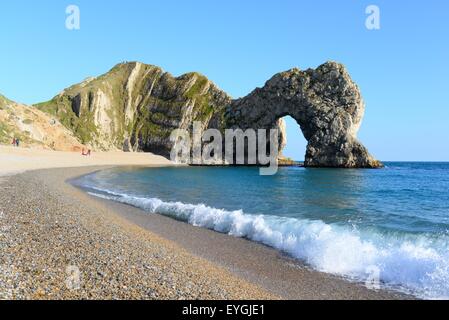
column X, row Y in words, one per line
column 326, row 104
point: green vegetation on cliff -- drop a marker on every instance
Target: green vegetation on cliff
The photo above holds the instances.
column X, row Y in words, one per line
column 74, row 107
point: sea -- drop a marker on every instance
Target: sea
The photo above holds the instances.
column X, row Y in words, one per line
column 390, row 224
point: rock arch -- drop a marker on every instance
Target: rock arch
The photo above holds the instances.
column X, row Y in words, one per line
column 326, row 104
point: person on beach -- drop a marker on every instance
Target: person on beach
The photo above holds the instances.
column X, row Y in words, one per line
column 13, row 141
column 17, row 142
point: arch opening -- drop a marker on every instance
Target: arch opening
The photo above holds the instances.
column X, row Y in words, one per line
column 295, row 144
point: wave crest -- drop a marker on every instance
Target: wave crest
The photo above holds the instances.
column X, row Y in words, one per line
column 414, row 264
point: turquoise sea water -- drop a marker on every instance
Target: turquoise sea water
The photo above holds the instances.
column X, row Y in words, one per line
column 347, row 222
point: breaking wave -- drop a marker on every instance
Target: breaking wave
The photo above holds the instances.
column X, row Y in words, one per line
column 416, row 264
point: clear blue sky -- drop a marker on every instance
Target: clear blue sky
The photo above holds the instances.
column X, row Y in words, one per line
column 402, row 69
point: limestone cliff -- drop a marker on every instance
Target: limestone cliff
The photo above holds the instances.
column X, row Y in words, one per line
column 135, row 107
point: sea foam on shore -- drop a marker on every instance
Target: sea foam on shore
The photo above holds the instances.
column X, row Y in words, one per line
column 417, row 265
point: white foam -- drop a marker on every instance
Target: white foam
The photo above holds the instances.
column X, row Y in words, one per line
column 416, row 263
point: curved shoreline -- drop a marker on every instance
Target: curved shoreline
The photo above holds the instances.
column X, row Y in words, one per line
column 245, row 269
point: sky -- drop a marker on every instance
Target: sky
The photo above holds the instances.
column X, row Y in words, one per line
column 402, row 68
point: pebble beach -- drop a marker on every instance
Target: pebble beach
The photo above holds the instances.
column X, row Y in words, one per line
column 58, row 242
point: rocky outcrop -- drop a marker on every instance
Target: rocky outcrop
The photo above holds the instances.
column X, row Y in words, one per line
column 135, row 107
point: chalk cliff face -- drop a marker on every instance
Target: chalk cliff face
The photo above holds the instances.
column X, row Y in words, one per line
column 135, row 107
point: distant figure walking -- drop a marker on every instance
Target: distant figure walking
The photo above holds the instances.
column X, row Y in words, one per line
column 17, row 142
column 14, row 142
